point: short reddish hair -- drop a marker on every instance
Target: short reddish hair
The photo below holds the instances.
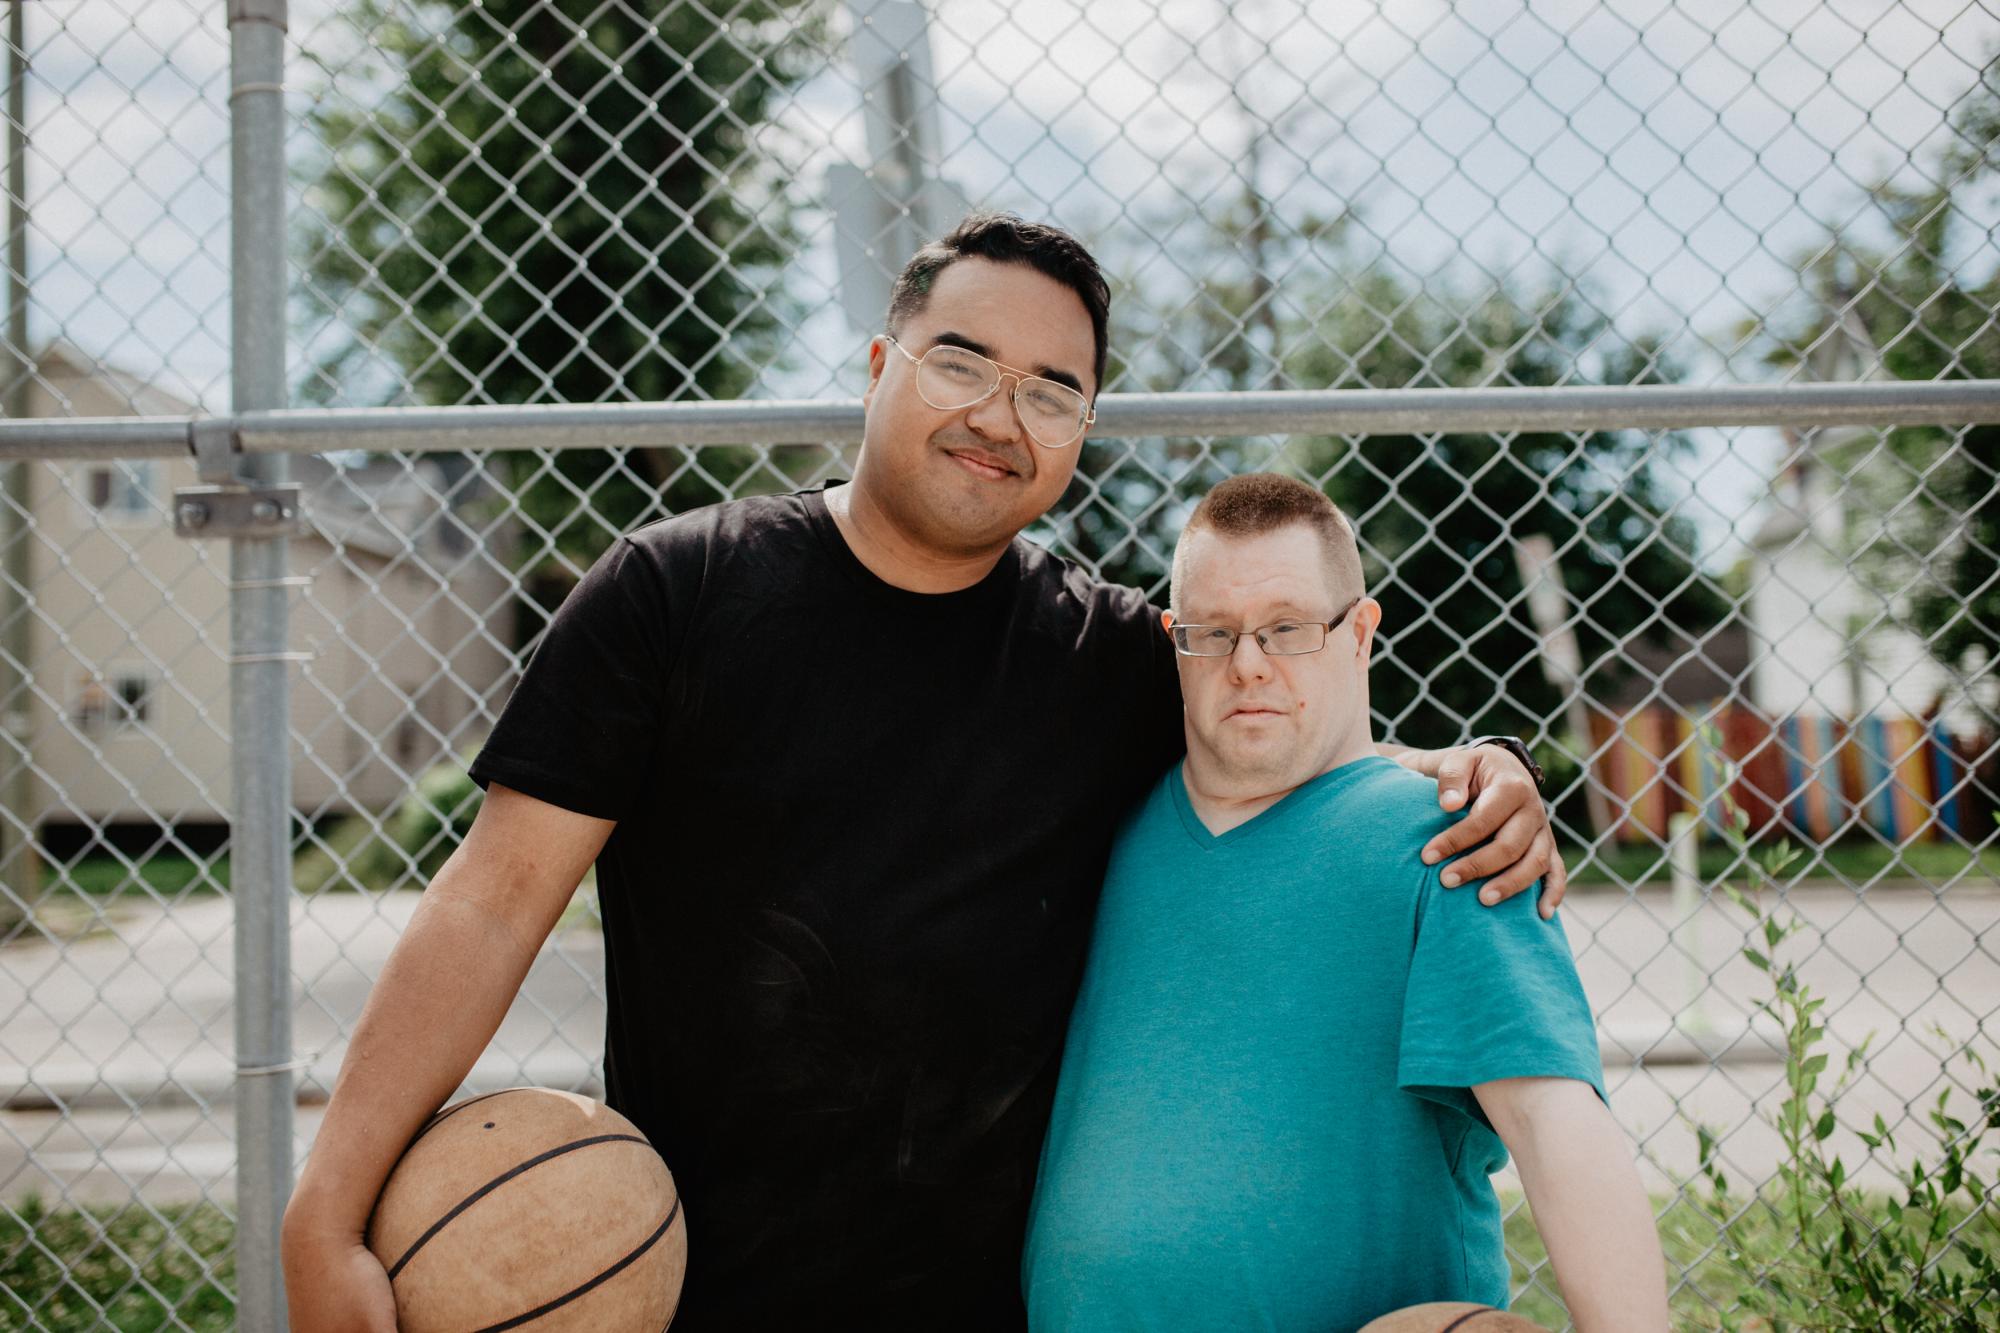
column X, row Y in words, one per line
column 1260, row 502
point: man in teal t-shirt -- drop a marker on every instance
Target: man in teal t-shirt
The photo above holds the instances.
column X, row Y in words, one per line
column 1296, row 1058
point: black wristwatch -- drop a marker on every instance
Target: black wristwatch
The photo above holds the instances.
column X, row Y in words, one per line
column 1517, row 747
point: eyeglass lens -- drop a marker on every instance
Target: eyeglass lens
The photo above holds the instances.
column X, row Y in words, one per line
column 1279, row 640
column 950, row 378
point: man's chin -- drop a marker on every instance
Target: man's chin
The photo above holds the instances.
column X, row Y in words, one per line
column 967, row 518
column 1271, row 762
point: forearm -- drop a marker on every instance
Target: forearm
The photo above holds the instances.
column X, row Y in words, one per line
column 1592, row 1212
column 1595, row 1219
column 439, row 999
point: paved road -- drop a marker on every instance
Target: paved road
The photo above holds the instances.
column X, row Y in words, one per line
column 131, row 1027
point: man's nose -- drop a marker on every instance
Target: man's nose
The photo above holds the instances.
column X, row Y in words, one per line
column 1249, row 662
column 994, row 416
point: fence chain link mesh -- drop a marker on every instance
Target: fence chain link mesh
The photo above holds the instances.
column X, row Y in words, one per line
column 604, row 201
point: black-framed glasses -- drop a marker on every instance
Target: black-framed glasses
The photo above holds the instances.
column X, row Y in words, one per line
column 1284, row 638
column 952, row 379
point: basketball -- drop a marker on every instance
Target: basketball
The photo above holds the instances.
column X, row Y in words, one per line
column 1456, row 1316
column 534, row 1209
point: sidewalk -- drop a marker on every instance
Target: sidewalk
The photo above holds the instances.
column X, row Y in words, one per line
column 143, row 1013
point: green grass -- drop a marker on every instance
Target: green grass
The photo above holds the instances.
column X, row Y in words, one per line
column 349, row 856
column 132, row 1268
column 165, row 876
column 70, row 900
column 1858, row 862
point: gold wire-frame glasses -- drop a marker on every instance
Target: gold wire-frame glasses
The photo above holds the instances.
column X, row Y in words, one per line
column 952, row 379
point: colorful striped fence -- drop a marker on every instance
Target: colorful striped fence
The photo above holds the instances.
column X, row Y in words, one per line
column 1903, row 777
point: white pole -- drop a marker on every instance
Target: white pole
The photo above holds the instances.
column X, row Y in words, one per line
column 1684, row 871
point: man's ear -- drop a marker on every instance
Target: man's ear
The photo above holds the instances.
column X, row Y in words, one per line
column 1166, row 620
column 878, row 361
column 1367, row 620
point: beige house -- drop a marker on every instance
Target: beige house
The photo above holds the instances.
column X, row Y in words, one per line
column 1830, row 642
column 405, row 612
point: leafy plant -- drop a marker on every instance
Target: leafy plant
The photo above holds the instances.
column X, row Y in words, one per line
column 1916, row 1263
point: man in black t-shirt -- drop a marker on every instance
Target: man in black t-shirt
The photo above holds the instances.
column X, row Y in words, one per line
column 849, row 763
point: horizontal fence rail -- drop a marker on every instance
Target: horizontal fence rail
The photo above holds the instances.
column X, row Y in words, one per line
column 1351, row 412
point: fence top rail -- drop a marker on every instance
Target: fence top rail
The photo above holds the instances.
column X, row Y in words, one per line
column 1353, row 412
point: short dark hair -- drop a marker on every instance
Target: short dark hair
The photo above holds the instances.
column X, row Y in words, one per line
column 1260, row 502
column 1007, row 239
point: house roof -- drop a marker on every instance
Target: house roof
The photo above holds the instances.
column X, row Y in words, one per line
column 58, row 360
column 1684, row 669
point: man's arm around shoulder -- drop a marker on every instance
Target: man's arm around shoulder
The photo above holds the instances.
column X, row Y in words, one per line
column 1505, row 834
column 439, row 1000
column 1576, row 1166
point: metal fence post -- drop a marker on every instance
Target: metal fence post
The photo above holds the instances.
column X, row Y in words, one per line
column 16, row 787
column 260, row 849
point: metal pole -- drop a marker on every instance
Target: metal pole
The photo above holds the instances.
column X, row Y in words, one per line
column 21, row 867
column 259, row 704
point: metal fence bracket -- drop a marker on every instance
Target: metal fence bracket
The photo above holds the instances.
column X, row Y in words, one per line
column 213, row 442
column 225, row 505
column 236, row 511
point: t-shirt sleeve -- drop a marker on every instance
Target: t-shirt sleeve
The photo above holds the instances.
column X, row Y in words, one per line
column 582, row 725
column 1493, row 993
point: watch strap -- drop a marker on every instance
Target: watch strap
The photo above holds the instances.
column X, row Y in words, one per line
column 1517, row 747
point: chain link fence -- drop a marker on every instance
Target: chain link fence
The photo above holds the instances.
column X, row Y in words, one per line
column 514, row 204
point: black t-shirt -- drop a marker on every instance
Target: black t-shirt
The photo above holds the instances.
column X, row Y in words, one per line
column 861, row 833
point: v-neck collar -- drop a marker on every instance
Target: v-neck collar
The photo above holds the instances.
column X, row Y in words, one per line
column 1198, row 833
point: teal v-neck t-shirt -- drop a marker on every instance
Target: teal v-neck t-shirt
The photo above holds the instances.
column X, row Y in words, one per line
column 1265, row 1118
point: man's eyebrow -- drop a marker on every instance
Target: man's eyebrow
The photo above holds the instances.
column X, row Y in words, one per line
column 949, row 338
column 1062, row 377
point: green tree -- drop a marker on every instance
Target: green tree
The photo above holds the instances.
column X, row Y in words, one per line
column 555, row 202
column 1302, row 306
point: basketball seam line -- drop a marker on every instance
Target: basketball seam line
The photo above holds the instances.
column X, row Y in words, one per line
column 599, row 1280
column 1469, row 1314
column 496, row 1183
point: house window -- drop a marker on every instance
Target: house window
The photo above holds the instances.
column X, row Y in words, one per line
column 123, row 492
column 119, row 701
